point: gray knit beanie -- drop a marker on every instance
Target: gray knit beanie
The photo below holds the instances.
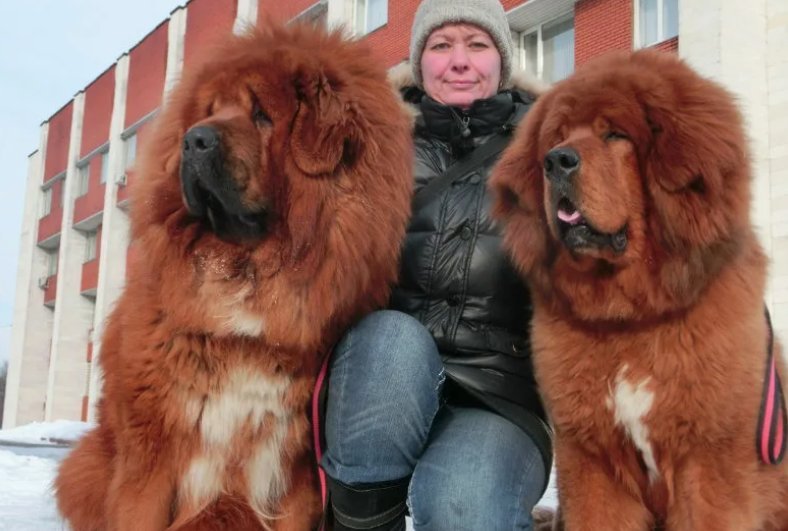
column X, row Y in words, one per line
column 487, row 14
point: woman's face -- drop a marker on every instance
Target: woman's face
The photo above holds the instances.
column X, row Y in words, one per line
column 460, row 64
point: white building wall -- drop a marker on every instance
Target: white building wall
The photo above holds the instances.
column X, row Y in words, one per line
column 32, row 325
column 114, row 234
column 777, row 78
column 742, row 45
column 68, row 368
column 176, row 33
column 37, row 346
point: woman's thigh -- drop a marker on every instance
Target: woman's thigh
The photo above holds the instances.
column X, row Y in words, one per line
column 479, row 472
column 383, row 394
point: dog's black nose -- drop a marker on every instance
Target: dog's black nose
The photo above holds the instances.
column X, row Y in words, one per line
column 561, row 163
column 200, row 141
column 201, row 167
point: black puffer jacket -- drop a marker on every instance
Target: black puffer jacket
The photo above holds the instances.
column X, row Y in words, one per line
column 456, row 278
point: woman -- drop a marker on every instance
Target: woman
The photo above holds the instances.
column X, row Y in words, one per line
column 432, row 406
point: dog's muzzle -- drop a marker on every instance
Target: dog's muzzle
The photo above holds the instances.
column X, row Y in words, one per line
column 209, row 190
column 561, row 167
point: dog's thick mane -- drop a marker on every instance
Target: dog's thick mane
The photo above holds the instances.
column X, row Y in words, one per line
column 697, row 199
column 304, row 248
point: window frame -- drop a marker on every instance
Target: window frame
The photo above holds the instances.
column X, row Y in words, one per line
column 91, row 241
column 661, row 36
column 538, row 31
column 129, row 146
column 104, row 166
column 83, row 179
column 52, row 259
column 363, row 29
column 46, row 202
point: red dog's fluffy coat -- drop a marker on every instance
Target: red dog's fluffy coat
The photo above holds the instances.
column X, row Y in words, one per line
column 210, row 356
column 649, row 335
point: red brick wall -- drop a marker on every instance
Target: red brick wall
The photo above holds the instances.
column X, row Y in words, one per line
column 207, row 21
column 98, row 111
column 93, row 201
column 281, row 10
column 50, row 224
column 56, row 154
column 511, row 4
column 90, row 270
column 600, row 26
column 390, row 42
column 51, row 291
column 147, row 66
column 90, row 275
column 670, row 45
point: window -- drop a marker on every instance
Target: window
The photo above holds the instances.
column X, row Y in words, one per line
column 90, row 246
column 104, row 166
column 548, row 52
column 52, row 263
column 46, row 202
column 129, row 151
column 658, row 20
column 370, row 15
column 83, row 178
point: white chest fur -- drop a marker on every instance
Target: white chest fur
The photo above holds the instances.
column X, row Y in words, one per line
column 630, row 402
column 251, row 401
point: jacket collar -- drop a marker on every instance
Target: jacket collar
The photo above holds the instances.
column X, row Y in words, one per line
column 455, row 125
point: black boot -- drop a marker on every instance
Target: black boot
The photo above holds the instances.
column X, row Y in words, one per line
column 371, row 506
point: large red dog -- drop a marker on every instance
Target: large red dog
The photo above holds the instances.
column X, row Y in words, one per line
column 268, row 214
column 626, row 197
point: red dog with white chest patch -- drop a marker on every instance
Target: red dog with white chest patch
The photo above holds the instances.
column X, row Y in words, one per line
column 626, row 197
column 267, row 216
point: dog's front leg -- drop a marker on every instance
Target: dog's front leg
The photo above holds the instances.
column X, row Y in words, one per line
column 140, row 497
column 590, row 498
column 710, row 498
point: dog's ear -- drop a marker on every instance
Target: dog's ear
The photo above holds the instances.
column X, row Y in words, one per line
column 517, row 184
column 696, row 163
column 693, row 147
column 323, row 126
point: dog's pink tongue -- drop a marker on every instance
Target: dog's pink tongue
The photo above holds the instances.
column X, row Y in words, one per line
column 572, row 218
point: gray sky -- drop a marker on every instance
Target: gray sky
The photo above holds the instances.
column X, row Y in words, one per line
column 49, row 50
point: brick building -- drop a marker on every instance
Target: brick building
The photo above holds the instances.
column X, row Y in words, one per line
column 74, row 242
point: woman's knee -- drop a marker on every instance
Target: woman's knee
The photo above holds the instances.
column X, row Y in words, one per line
column 383, row 393
column 391, row 343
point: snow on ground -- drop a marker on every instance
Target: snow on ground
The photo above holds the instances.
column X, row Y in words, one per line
column 26, row 475
column 46, row 432
column 26, row 502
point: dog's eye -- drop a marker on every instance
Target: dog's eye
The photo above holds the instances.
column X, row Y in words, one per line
column 615, row 135
column 259, row 116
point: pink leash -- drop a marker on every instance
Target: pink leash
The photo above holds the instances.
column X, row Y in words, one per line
column 771, row 440
column 316, row 439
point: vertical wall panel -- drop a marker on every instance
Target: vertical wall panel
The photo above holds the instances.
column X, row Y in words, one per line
column 56, row 154
column 206, row 22
column 98, row 111
column 147, row 65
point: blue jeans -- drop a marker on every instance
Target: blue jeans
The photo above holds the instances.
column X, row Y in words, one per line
column 470, row 469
